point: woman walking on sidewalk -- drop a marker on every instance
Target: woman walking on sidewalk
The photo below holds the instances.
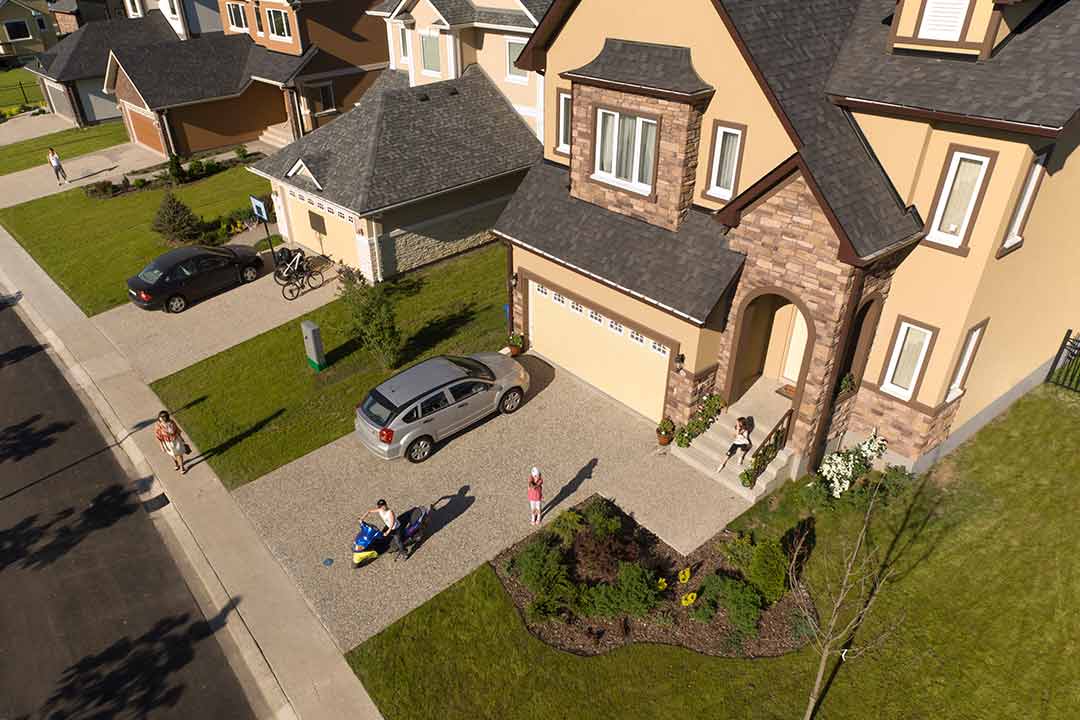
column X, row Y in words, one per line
column 171, row 440
column 54, row 161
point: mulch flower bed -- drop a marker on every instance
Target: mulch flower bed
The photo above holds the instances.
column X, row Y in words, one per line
column 592, row 561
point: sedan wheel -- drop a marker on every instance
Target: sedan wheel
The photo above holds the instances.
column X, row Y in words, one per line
column 249, row 274
column 176, row 304
column 511, row 401
column 419, row 449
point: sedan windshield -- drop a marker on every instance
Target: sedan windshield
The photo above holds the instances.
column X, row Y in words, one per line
column 150, row 274
column 377, row 409
column 473, row 368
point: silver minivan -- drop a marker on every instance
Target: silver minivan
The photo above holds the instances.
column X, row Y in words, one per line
column 418, row 407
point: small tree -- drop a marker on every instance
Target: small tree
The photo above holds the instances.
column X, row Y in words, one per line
column 176, row 169
column 371, row 316
column 176, row 222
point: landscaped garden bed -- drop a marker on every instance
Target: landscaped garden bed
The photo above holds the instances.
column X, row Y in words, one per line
column 595, row 580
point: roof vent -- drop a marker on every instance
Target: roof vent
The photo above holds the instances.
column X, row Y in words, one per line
column 453, row 91
column 423, row 97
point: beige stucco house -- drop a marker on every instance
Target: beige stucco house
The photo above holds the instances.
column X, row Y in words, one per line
column 26, row 29
column 856, row 207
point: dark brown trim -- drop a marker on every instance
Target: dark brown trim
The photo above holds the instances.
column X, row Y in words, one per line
column 950, row 152
column 894, row 27
column 1002, row 250
column 717, row 124
column 914, row 113
column 559, row 91
column 934, row 332
column 731, row 213
column 990, row 40
column 525, row 276
column 638, row 89
column 944, row 43
column 873, row 304
column 960, row 357
column 595, row 135
column 534, row 55
column 510, row 284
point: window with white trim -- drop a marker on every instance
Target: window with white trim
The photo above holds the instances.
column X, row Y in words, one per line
column 17, row 30
column 133, row 10
column 403, row 36
column 258, row 21
column 637, row 337
column 558, row 298
column 322, row 98
column 565, row 101
column 429, row 54
column 625, row 151
column 278, row 22
column 660, row 348
column 577, row 307
column 513, row 73
column 596, row 317
column 541, row 290
column 943, row 19
column 237, row 16
column 906, row 362
column 960, row 192
column 956, row 388
column 615, row 326
column 725, row 162
column 172, row 8
column 1015, row 235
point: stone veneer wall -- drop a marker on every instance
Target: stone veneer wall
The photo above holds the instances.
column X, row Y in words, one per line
column 411, row 247
column 912, row 430
column 676, row 158
column 790, row 245
column 685, row 391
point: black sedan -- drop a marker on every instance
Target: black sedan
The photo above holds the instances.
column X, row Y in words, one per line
column 180, row 277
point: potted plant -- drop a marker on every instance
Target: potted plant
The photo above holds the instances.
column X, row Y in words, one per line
column 516, row 344
column 665, row 431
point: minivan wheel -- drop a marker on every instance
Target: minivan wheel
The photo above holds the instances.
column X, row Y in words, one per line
column 176, row 304
column 511, row 401
column 249, row 274
column 419, row 449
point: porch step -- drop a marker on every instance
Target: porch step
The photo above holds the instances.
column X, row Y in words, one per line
column 705, row 458
column 277, row 136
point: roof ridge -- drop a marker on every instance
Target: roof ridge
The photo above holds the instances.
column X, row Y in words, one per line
column 368, row 173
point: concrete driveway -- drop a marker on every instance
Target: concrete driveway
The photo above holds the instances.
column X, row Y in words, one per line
column 157, row 343
column 108, row 164
column 583, row 441
column 25, row 127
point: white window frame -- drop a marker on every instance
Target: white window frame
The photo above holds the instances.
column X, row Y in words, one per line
column 564, row 112
column 333, row 104
column 971, row 341
column 172, row 9
column 923, row 34
column 715, row 190
column 433, row 35
column 936, row 234
column 403, row 38
column 596, row 317
column 615, row 326
column 559, row 299
column 1027, row 196
column 610, row 178
column 541, row 290
column 637, row 337
column 512, row 71
column 229, row 7
column 29, row 35
column 270, row 25
column 660, row 348
column 887, row 384
column 577, row 307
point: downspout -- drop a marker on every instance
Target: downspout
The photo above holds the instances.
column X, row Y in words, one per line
column 167, row 132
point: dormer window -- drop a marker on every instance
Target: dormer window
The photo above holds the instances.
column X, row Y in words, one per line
column 626, row 150
column 278, row 22
column 943, row 19
column 237, row 16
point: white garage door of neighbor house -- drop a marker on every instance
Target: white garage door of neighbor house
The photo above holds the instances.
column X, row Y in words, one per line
column 625, row 364
column 95, row 102
column 60, row 102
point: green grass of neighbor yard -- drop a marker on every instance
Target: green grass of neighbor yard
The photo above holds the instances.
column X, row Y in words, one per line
column 988, row 576
column 91, row 246
column 258, row 405
column 68, row 143
column 19, row 86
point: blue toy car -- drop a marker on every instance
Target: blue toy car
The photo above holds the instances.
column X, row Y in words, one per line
column 370, row 542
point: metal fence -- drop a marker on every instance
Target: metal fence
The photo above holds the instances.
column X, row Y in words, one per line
column 1065, row 370
column 21, row 93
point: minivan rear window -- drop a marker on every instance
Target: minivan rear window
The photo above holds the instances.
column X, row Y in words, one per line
column 377, row 409
column 473, row 368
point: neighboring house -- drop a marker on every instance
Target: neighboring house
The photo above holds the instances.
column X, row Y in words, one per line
column 70, row 15
column 72, row 73
column 277, row 72
column 851, row 206
column 189, row 18
column 28, row 29
column 427, row 160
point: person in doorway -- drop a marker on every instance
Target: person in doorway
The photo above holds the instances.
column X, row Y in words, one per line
column 58, row 168
column 536, row 495
column 741, row 442
column 171, row 440
column 392, row 527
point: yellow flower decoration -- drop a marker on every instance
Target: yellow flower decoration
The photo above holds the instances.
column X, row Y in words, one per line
column 684, row 576
column 688, row 599
column 661, row 584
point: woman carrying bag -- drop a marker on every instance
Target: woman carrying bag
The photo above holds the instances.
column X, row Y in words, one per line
column 171, row 440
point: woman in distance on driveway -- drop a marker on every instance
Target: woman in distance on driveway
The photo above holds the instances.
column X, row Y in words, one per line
column 171, row 440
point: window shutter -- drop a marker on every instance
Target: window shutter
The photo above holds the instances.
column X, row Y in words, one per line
column 943, row 19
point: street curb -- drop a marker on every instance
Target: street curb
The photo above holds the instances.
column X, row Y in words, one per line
column 270, row 701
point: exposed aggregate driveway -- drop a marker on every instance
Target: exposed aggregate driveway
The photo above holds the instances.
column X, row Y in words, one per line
column 584, row 442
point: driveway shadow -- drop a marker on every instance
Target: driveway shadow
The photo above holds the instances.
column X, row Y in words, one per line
column 572, row 486
column 449, row 508
column 541, row 373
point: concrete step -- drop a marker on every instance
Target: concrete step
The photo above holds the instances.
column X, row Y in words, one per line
column 276, row 136
column 705, row 459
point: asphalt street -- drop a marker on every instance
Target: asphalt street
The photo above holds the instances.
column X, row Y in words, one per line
column 96, row 620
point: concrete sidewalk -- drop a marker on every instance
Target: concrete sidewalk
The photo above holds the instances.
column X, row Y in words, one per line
column 305, row 662
column 108, row 164
column 25, row 127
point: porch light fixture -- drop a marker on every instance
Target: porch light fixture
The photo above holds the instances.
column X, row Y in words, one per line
column 679, row 360
column 513, row 281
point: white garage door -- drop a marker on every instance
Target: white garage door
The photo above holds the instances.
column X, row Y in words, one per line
column 629, row 366
column 95, row 102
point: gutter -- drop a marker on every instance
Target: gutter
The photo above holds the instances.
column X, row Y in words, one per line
column 918, row 113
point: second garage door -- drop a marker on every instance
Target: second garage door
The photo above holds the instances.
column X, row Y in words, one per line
column 144, row 131
column 626, row 364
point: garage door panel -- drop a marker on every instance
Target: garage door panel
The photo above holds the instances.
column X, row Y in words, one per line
column 146, row 133
column 621, row 362
column 96, row 103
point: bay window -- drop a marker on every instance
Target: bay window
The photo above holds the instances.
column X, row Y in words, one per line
column 625, row 150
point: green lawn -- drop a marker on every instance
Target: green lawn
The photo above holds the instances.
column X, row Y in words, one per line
column 258, row 405
column 11, row 95
column 68, row 143
column 989, row 579
column 90, row 247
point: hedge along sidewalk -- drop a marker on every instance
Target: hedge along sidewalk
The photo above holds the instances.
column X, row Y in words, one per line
column 67, row 143
column 258, row 406
column 90, row 247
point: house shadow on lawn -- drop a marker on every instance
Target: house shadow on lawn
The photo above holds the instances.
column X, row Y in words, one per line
column 436, row 331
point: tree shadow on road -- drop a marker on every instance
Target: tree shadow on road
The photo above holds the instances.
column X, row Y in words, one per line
column 23, row 439
column 18, row 354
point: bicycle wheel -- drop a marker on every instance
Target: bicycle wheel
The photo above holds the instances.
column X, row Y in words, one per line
column 314, row 279
column 291, row 291
column 282, row 275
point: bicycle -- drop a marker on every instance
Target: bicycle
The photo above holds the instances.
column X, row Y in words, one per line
column 290, row 264
column 307, row 277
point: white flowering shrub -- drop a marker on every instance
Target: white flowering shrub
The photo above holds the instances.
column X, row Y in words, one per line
column 839, row 469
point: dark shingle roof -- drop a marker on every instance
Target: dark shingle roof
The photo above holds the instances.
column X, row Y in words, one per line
column 648, row 65
column 385, row 7
column 400, row 143
column 537, row 7
column 1033, row 78
column 794, row 43
column 64, row 6
column 462, row 12
column 85, row 52
column 501, row 16
column 210, row 66
column 685, row 271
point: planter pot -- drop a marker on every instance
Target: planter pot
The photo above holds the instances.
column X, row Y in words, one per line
column 515, row 351
column 663, row 439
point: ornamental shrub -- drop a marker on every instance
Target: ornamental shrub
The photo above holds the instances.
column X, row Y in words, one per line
column 603, row 519
column 176, row 222
column 566, row 527
column 703, row 612
column 768, row 570
column 176, row 170
column 742, row 604
column 196, row 169
column 633, row 593
column 542, row 568
column 739, row 551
